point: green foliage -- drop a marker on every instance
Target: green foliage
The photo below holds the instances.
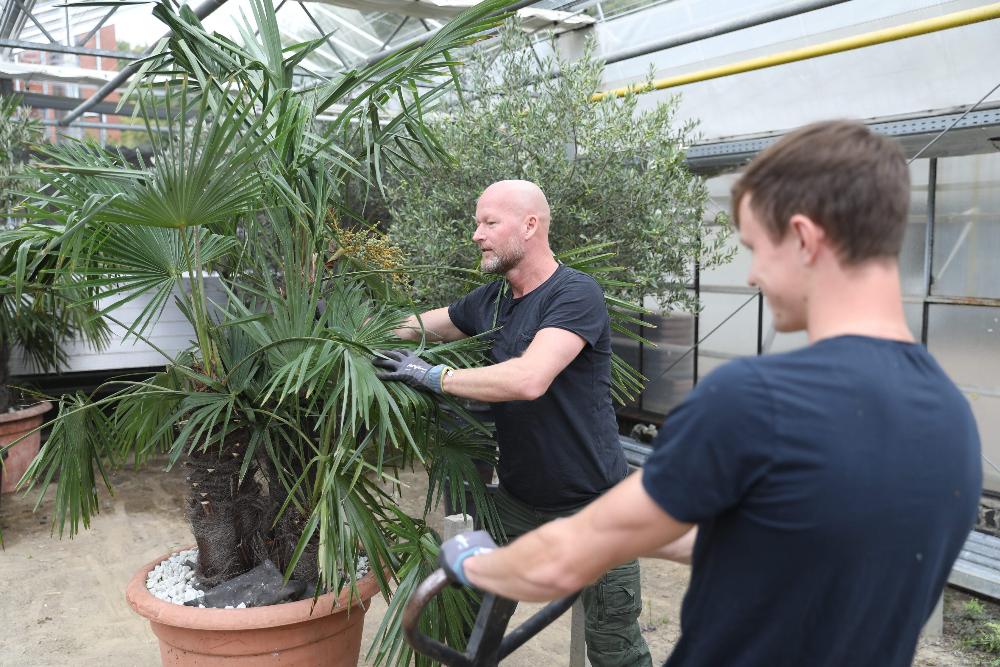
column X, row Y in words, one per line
column 18, row 131
column 277, row 395
column 973, row 609
column 976, row 625
column 987, row 639
column 612, row 173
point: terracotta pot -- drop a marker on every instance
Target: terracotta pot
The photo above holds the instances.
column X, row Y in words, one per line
column 294, row 633
column 12, row 426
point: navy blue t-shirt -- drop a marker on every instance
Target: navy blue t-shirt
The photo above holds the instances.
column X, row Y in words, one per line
column 561, row 450
column 833, row 488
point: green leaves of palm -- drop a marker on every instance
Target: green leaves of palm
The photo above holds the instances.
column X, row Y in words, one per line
column 448, row 616
column 37, row 300
column 203, row 174
column 240, row 183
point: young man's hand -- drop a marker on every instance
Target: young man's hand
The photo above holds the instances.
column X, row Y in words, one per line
column 457, row 549
column 405, row 366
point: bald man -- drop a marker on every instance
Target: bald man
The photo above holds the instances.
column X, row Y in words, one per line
column 550, row 389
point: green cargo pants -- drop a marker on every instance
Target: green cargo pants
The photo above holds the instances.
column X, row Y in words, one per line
column 612, row 604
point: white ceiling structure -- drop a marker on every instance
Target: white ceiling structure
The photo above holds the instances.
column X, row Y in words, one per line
column 42, row 41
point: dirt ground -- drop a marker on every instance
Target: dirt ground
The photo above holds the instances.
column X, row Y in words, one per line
column 62, row 601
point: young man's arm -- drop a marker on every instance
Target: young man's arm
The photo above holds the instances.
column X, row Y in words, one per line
column 679, row 550
column 435, row 325
column 566, row 555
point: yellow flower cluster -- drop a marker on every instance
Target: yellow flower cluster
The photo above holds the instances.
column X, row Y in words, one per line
column 368, row 246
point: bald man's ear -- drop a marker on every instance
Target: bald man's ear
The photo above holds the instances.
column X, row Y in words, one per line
column 531, row 225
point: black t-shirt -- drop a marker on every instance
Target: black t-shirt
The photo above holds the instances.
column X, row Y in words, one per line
column 833, row 488
column 560, row 450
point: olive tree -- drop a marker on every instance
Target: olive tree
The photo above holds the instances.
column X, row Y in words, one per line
column 612, row 173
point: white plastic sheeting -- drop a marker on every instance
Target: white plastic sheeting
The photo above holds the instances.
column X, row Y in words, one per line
column 935, row 71
column 60, row 73
column 444, row 9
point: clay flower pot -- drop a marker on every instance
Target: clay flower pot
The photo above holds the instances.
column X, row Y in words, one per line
column 13, row 425
column 294, row 633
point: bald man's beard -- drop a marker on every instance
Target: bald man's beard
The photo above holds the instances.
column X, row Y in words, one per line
column 503, row 260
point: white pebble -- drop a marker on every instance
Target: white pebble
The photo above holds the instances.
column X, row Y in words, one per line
column 171, row 579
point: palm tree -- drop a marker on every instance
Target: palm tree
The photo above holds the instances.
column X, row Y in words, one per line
column 289, row 437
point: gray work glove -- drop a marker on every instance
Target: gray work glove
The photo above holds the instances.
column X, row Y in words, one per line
column 457, row 549
column 405, row 366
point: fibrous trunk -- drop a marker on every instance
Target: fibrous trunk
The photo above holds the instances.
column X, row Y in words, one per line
column 230, row 518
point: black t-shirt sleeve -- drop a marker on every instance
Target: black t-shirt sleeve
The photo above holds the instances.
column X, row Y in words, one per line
column 714, row 446
column 577, row 305
column 472, row 314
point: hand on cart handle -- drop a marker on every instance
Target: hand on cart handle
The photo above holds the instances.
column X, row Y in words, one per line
column 489, row 642
column 455, row 551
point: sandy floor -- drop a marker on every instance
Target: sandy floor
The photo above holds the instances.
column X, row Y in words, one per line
column 62, row 601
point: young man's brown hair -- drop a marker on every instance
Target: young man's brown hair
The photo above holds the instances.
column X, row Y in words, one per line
column 853, row 183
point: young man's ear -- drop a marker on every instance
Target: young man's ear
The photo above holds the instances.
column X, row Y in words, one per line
column 808, row 236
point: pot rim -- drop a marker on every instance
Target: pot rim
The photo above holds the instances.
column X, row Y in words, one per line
column 156, row 610
column 26, row 413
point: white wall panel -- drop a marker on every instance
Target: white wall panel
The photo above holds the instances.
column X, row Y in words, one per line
column 172, row 334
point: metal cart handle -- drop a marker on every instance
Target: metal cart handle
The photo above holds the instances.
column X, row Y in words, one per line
column 487, row 645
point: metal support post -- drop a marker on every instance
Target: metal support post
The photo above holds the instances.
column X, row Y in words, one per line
column 929, row 248
column 455, row 524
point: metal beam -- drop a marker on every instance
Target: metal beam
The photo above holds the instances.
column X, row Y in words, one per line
column 205, row 9
column 379, row 56
column 93, row 31
column 12, row 19
column 107, row 126
column 62, row 48
column 329, row 36
column 967, row 133
column 395, row 32
column 787, row 11
column 40, row 101
column 36, row 21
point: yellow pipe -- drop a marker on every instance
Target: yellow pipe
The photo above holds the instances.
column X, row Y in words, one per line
column 945, row 22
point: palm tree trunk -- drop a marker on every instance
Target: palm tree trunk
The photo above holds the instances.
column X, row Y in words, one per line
column 230, row 518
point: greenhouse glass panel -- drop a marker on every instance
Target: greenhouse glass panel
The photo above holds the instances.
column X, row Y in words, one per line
column 708, row 364
column 728, row 327
column 966, row 342
column 967, row 227
column 668, row 363
column 732, row 274
column 914, row 313
column 735, row 272
column 911, row 258
column 774, row 342
column 986, row 410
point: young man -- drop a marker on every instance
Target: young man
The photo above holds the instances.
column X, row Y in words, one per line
column 550, row 387
column 832, row 487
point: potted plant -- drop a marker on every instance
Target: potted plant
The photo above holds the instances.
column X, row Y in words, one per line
column 289, row 438
column 40, row 310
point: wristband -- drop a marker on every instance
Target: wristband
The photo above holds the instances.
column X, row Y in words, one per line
column 435, row 376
